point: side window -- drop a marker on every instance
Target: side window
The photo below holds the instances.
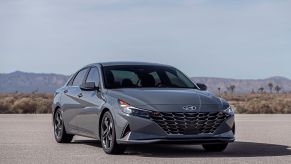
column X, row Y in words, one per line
column 156, row 77
column 80, row 77
column 93, row 76
column 71, row 80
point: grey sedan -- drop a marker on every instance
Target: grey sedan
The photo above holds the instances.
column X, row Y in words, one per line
column 122, row 103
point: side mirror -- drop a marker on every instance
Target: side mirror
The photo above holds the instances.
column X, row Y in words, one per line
column 202, row 87
column 89, row 86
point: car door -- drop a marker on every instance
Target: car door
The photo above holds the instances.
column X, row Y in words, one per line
column 72, row 103
column 93, row 101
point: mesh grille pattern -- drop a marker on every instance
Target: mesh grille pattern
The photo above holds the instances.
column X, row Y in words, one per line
column 178, row 123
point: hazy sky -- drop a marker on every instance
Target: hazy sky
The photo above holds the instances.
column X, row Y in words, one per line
column 220, row 38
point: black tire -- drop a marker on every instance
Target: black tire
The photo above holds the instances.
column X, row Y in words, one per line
column 215, row 147
column 108, row 136
column 60, row 133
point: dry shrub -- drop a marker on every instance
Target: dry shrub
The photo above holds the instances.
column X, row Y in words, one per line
column 261, row 103
column 25, row 103
column 245, row 103
column 43, row 105
column 6, row 104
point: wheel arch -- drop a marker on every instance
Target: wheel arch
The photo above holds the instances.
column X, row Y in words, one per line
column 54, row 109
column 55, row 106
column 100, row 120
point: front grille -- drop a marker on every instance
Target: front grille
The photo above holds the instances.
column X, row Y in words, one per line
column 189, row 122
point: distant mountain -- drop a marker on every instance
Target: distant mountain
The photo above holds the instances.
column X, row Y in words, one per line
column 31, row 82
column 41, row 82
column 244, row 86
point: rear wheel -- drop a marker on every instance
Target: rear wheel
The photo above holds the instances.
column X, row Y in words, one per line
column 60, row 133
column 108, row 136
column 215, row 147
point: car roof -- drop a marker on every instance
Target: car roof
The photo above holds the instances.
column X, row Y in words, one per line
column 127, row 63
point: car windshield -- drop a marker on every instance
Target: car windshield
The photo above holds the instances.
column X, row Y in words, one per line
column 145, row 76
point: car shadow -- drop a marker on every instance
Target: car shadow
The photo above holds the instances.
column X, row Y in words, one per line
column 90, row 142
column 236, row 149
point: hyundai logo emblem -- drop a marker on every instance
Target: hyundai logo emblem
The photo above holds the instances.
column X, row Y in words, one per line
column 189, row 108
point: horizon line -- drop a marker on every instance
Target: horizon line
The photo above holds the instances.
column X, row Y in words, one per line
column 266, row 78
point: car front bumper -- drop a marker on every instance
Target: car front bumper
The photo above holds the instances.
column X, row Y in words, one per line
column 144, row 131
column 178, row 140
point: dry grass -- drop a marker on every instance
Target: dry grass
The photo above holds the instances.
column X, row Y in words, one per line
column 247, row 103
column 260, row 103
column 25, row 103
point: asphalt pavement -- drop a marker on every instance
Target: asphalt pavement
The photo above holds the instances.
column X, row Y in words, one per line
column 28, row 139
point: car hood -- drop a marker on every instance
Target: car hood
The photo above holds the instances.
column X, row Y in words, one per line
column 168, row 100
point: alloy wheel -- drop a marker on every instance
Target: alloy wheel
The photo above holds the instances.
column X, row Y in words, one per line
column 58, row 124
column 107, row 132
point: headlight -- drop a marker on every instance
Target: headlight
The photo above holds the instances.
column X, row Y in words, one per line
column 125, row 108
column 226, row 107
column 229, row 110
column 131, row 110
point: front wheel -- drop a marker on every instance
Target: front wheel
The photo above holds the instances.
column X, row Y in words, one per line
column 215, row 147
column 108, row 136
column 60, row 133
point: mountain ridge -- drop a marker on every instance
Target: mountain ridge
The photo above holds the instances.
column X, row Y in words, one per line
column 19, row 81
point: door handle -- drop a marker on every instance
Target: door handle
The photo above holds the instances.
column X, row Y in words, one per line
column 80, row 95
